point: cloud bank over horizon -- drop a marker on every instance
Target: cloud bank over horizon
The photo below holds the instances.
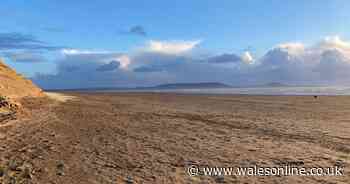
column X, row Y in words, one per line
column 324, row 63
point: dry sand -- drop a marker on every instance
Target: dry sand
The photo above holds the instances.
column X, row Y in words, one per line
column 151, row 138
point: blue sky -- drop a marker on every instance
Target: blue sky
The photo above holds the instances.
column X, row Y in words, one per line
column 125, row 26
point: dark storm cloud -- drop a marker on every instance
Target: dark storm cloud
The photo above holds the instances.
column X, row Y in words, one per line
column 16, row 40
column 137, row 30
column 225, row 58
column 113, row 65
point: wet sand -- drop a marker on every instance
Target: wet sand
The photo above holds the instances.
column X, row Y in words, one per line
column 152, row 138
column 59, row 97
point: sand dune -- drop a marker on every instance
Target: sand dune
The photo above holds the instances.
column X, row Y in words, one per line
column 14, row 85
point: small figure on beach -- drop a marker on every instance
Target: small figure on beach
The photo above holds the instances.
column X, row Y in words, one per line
column 315, row 97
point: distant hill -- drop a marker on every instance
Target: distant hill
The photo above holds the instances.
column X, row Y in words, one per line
column 192, row 85
column 14, row 86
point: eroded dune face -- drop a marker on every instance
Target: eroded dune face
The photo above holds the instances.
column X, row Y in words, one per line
column 14, row 86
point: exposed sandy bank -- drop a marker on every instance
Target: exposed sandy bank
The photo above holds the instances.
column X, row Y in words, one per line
column 59, row 97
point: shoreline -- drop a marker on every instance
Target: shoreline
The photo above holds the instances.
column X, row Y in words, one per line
column 190, row 93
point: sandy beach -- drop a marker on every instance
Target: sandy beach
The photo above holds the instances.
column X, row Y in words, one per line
column 153, row 138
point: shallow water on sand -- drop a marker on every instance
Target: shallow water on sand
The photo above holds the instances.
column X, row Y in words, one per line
column 331, row 90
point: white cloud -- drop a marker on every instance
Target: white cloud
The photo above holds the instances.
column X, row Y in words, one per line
column 326, row 62
column 292, row 48
column 124, row 61
column 78, row 52
column 171, row 47
column 334, row 42
column 247, row 58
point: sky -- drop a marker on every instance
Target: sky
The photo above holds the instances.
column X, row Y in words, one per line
column 108, row 43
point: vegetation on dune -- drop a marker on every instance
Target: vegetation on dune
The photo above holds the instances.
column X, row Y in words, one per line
column 15, row 171
column 8, row 108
